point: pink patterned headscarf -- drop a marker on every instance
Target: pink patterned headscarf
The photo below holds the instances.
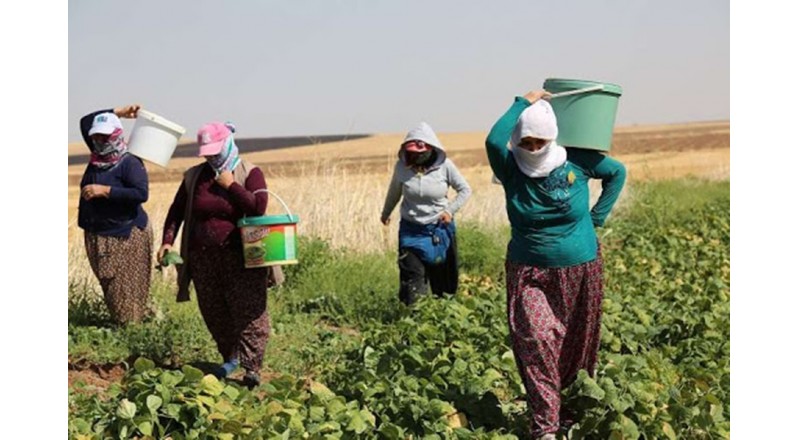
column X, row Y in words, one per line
column 107, row 154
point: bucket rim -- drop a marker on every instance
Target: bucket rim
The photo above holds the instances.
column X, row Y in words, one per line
column 156, row 161
column 271, row 263
column 279, row 219
column 160, row 120
column 573, row 84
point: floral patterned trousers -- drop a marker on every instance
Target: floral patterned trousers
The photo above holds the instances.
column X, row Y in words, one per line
column 554, row 318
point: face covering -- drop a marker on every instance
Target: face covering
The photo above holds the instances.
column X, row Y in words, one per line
column 539, row 163
column 418, row 159
column 537, row 121
column 106, row 154
column 228, row 159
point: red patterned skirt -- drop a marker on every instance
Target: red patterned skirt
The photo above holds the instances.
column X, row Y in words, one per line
column 554, row 318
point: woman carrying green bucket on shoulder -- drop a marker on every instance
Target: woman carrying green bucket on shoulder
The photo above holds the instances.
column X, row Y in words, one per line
column 211, row 199
column 554, row 271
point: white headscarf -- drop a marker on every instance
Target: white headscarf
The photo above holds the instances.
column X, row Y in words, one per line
column 538, row 121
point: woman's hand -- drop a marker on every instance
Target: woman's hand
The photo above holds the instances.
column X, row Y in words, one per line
column 128, row 111
column 385, row 221
column 162, row 251
column 535, row 95
column 225, row 179
column 445, row 218
column 94, row 191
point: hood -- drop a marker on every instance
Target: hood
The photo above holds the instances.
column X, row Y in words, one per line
column 423, row 132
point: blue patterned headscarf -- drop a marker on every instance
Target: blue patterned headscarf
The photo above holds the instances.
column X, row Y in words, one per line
column 227, row 159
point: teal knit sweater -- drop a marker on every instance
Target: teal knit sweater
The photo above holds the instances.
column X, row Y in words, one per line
column 551, row 223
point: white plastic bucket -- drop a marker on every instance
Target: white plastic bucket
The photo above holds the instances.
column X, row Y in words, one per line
column 154, row 138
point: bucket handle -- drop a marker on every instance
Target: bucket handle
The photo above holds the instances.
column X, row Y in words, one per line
column 285, row 206
column 578, row 91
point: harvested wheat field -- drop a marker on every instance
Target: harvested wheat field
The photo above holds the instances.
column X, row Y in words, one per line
column 343, row 182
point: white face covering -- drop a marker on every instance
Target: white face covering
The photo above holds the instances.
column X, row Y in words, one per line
column 537, row 121
column 539, row 163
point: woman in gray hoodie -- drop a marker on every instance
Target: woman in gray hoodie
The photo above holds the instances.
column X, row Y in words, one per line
column 427, row 250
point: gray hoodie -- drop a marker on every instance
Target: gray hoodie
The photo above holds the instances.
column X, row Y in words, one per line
column 424, row 195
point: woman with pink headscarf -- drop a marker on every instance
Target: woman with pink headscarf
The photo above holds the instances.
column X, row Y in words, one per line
column 117, row 233
column 213, row 196
column 554, row 262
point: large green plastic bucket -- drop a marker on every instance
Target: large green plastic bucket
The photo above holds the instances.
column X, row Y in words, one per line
column 586, row 112
column 269, row 240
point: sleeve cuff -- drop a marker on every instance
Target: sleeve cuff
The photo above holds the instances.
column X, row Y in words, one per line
column 236, row 188
column 523, row 100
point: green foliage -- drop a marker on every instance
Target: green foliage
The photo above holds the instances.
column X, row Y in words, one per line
column 316, row 254
column 442, row 368
column 481, row 251
column 665, row 352
column 341, row 287
column 174, row 337
column 85, row 307
column 171, row 258
column 303, row 345
column 442, row 361
column 185, row 404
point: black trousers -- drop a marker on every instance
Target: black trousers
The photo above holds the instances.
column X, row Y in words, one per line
column 415, row 274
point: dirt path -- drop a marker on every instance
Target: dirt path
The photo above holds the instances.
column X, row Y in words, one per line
column 94, row 378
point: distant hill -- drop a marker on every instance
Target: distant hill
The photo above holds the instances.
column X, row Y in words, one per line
column 189, row 149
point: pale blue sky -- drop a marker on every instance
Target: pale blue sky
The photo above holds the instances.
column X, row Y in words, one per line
column 282, row 68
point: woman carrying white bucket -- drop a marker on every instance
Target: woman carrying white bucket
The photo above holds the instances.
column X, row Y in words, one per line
column 211, row 199
column 554, row 264
column 117, row 233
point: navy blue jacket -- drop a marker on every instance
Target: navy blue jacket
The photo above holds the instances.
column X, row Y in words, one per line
column 122, row 210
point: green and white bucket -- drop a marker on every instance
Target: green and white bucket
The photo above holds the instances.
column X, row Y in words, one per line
column 586, row 112
column 269, row 240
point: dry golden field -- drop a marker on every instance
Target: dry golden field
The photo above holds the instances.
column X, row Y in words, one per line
column 338, row 188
